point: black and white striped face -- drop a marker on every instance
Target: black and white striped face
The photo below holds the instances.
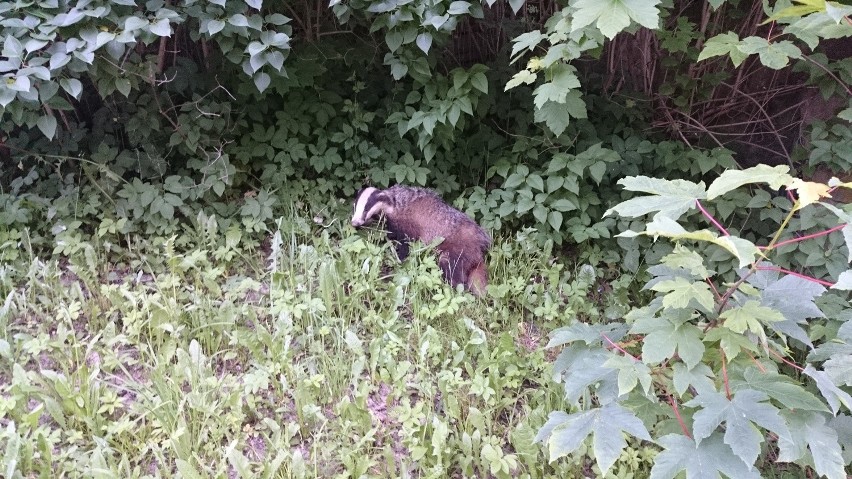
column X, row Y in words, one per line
column 369, row 204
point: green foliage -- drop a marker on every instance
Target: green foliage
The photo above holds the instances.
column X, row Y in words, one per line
column 709, row 366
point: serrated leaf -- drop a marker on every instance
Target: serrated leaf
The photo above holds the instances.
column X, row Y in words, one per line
column 779, row 387
column 684, row 258
column 671, row 198
column 526, row 41
column 565, row 433
column 809, row 192
column 745, row 251
column 723, row 44
column 557, row 115
column 664, row 336
column 814, row 436
column 793, row 297
column 775, row 176
column 523, row 76
column 580, row 367
column 706, row 460
column 698, row 377
column 750, row 317
column 613, row 16
column 680, row 292
column 775, row 55
column 746, row 409
column 833, row 394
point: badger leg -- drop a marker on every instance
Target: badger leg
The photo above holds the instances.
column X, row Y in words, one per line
column 400, row 243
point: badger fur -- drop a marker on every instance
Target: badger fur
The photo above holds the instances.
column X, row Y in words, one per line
column 413, row 214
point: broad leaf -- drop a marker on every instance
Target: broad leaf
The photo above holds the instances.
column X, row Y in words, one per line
column 745, row 251
column 613, row 16
column 779, row 387
column 809, row 192
column 750, row 317
column 671, row 198
column 680, row 291
column 665, row 335
column 775, row 176
column 740, row 414
column 580, row 368
column 793, row 297
column 707, row 460
column 698, row 377
column 47, row 125
column 565, row 433
column 557, row 115
column 723, row 44
column 686, row 259
column 812, row 434
column 833, row 394
column 775, row 55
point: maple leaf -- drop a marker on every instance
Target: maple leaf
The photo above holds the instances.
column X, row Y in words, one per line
column 613, row 16
column 709, row 459
column 740, row 414
column 793, row 297
column 564, row 433
column 666, row 334
column 775, row 176
column 581, row 367
column 779, row 387
column 681, row 291
column 809, row 191
column 671, row 198
column 833, row 394
column 815, row 436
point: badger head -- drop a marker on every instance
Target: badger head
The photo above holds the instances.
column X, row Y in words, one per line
column 369, row 204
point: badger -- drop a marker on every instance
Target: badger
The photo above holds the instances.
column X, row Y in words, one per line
column 413, row 214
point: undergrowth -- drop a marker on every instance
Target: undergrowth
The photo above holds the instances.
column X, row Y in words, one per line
column 315, row 354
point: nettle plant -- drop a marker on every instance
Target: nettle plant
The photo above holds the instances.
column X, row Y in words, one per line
column 725, row 376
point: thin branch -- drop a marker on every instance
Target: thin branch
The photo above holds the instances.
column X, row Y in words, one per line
column 712, row 219
column 806, row 237
column 619, row 348
column 798, row 275
column 679, row 418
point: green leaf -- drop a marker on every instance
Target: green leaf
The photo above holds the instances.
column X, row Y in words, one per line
column 684, row 258
column 746, row 409
column 394, row 40
column 681, row 291
column 779, row 387
column 833, row 394
column 134, row 23
column 459, row 8
column 671, row 198
column 564, row 80
column 775, row 176
column 526, row 41
column 215, row 26
column 557, row 115
column 563, row 205
column 750, row 317
column 480, row 82
column 123, row 86
column 845, row 115
column 535, row 181
column 72, row 86
column 582, row 367
column 187, row 470
column 424, row 41
column 698, row 377
column 523, row 76
column 516, row 5
column 707, row 460
column 565, row 433
column 815, row 436
column 47, row 125
column 162, row 28
column 554, row 218
column 723, row 44
column 665, row 335
column 261, row 81
column 256, row 4
column 613, row 16
column 773, row 55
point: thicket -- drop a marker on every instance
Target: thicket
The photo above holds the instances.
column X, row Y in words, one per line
column 126, row 123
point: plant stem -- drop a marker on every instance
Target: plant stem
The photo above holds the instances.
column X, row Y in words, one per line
column 798, row 275
column 712, row 219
